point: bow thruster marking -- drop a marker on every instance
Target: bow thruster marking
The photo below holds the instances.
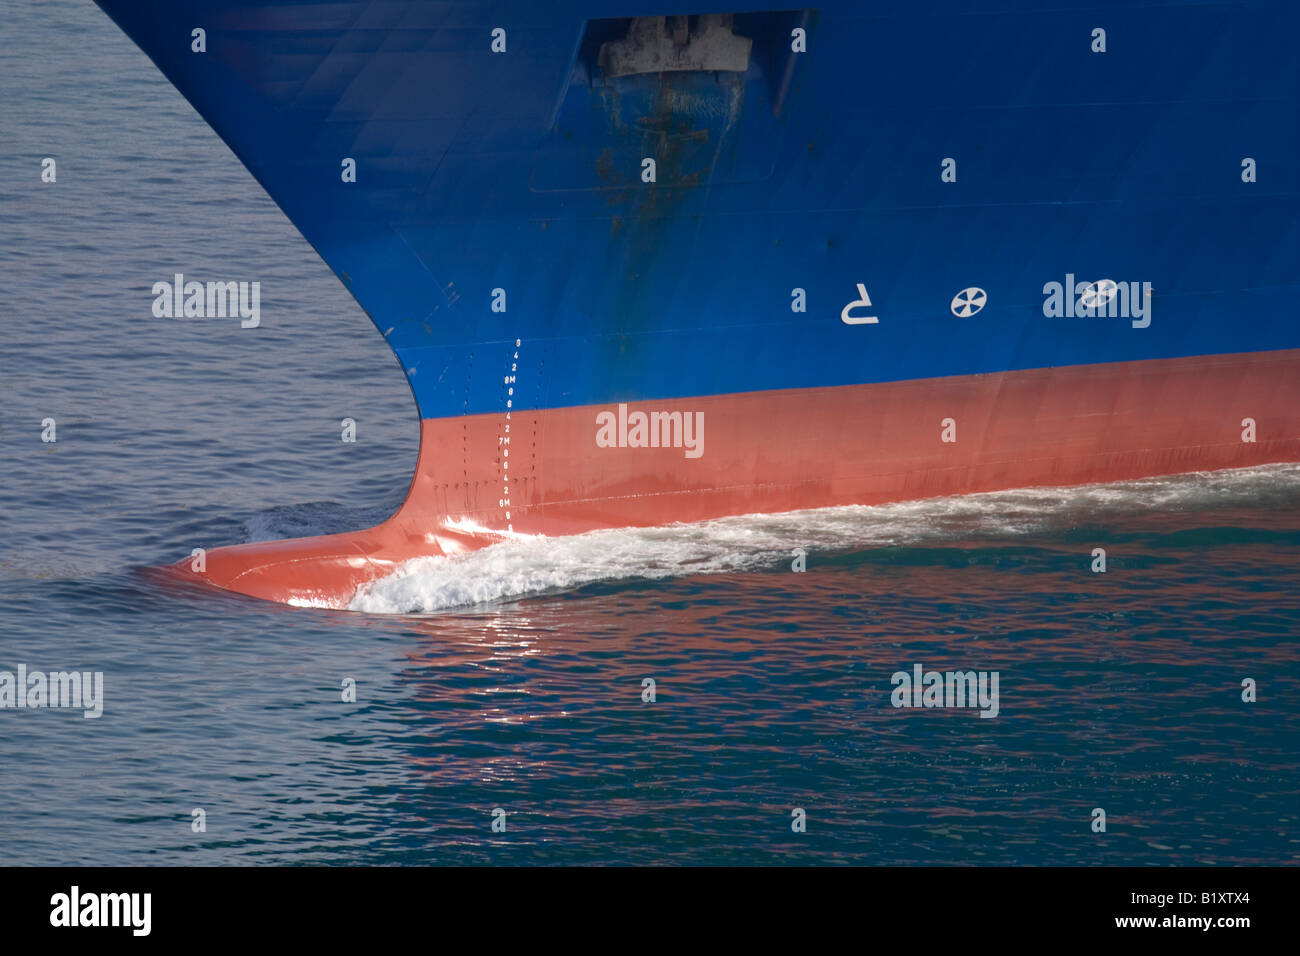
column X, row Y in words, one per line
column 968, row 301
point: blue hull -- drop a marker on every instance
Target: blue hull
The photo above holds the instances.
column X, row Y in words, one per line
column 521, row 171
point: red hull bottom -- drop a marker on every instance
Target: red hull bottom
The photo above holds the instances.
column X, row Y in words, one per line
column 482, row 478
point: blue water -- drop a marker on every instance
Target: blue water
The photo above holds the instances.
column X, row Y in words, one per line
column 513, row 679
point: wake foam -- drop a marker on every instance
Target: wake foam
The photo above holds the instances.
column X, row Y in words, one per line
column 531, row 565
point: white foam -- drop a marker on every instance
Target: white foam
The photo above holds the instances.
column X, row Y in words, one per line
column 532, row 565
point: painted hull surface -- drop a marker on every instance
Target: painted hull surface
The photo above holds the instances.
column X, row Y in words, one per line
column 632, row 278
